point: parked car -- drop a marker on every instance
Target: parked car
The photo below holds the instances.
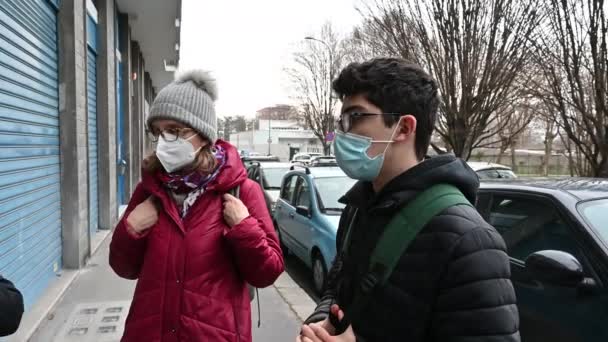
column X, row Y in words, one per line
column 323, row 161
column 556, row 233
column 307, row 215
column 252, row 159
column 304, row 158
column 269, row 176
column 492, row 171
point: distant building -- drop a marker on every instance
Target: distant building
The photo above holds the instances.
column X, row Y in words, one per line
column 284, row 138
column 278, row 112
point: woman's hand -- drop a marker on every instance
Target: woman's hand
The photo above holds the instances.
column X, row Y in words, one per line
column 234, row 210
column 143, row 217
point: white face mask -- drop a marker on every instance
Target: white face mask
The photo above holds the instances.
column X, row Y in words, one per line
column 174, row 155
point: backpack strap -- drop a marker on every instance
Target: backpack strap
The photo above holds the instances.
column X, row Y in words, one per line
column 395, row 239
column 236, row 191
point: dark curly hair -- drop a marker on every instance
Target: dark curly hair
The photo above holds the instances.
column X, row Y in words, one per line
column 395, row 86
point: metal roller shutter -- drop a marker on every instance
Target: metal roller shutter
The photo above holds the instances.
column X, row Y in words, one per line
column 92, row 120
column 30, row 208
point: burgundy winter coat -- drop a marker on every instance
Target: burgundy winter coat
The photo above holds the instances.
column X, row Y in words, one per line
column 193, row 273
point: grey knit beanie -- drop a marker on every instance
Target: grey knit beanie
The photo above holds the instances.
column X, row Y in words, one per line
column 189, row 99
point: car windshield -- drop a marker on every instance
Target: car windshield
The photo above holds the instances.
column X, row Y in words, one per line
column 330, row 190
column 273, row 177
column 596, row 214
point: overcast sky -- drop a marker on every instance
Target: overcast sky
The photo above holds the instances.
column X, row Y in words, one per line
column 248, row 43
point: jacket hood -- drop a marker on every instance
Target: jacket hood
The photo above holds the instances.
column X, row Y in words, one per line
column 232, row 174
column 445, row 169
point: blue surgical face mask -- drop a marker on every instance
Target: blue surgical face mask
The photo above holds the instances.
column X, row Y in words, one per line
column 351, row 155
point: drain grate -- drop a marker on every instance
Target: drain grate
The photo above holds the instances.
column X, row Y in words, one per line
column 107, row 329
column 78, row 331
column 89, row 311
column 110, row 319
column 95, row 322
column 82, row 321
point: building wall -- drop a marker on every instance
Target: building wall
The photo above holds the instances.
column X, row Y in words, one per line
column 76, row 237
column 528, row 164
column 106, row 122
column 282, row 141
column 73, row 133
column 50, row 120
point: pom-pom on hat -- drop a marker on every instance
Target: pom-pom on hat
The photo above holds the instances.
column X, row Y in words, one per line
column 189, row 99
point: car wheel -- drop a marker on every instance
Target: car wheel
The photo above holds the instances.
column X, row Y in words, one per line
column 319, row 273
column 284, row 248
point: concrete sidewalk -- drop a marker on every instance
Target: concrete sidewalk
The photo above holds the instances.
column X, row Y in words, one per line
column 94, row 307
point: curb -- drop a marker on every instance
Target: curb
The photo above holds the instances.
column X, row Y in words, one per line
column 297, row 299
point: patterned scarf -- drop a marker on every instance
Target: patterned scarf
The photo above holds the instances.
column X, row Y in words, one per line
column 193, row 184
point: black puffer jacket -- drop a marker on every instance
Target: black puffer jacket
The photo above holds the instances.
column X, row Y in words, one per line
column 11, row 307
column 451, row 284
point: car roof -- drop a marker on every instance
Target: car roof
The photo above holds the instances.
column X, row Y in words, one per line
column 320, row 172
column 276, row 165
column 260, row 158
column 326, row 171
column 479, row 166
column 581, row 188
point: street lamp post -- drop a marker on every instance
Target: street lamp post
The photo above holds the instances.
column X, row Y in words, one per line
column 269, row 137
column 331, row 77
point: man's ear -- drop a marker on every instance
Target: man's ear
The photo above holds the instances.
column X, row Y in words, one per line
column 406, row 128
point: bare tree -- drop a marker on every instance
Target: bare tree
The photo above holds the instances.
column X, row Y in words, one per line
column 387, row 32
column 476, row 49
column 551, row 132
column 220, row 128
column 514, row 120
column 315, row 65
column 574, row 51
column 240, row 123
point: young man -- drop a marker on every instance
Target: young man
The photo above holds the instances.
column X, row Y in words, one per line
column 452, row 282
column 11, row 307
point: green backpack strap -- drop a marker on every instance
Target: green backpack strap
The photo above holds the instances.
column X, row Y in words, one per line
column 406, row 225
column 397, row 236
column 236, row 191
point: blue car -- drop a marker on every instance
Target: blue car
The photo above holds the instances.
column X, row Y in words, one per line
column 307, row 215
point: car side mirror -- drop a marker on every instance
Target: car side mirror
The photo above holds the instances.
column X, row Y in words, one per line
column 302, row 210
column 557, row 268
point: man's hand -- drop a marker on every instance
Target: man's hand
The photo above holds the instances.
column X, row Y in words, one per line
column 144, row 216
column 323, row 332
column 234, row 210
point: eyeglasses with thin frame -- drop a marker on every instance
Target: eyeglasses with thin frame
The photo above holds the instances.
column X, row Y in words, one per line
column 346, row 121
column 170, row 134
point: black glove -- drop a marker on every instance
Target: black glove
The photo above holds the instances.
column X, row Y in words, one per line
column 339, row 325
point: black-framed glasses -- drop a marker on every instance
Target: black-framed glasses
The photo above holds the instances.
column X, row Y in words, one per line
column 170, row 134
column 347, row 120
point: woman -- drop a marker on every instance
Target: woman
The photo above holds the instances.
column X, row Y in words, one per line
column 192, row 246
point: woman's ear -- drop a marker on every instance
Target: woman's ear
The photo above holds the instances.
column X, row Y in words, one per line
column 406, row 127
